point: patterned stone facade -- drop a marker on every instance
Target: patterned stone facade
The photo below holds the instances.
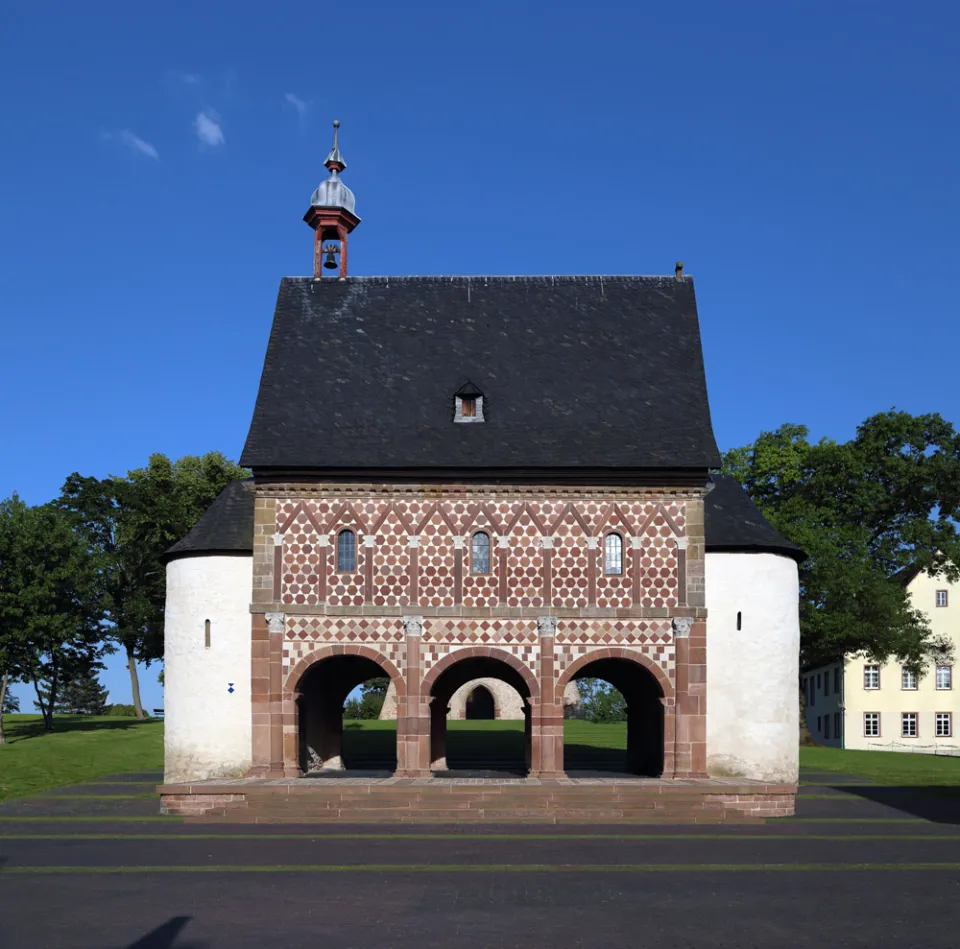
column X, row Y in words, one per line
column 415, row 604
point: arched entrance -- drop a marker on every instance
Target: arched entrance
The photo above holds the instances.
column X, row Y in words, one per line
column 649, row 727
column 480, row 705
column 479, row 746
column 320, row 689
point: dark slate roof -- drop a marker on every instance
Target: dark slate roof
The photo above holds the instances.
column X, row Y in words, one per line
column 226, row 527
column 575, row 372
column 732, row 522
column 906, row 575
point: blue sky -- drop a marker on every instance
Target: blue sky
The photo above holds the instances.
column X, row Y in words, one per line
column 801, row 159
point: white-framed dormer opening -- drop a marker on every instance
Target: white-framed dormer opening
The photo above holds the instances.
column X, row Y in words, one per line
column 468, row 404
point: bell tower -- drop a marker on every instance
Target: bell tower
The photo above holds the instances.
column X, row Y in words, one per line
column 331, row 216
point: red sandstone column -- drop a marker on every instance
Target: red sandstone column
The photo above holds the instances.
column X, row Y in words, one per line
column 413, row 713
column 275, row 627
column 547, row 715
column 690, row 744
column 260, row 696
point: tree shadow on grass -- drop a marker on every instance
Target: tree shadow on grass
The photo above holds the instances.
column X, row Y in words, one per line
column 937, row 803
column 593, row 758
column 20, row 731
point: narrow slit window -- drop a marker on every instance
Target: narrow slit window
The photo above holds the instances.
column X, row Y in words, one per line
column 739, row 621
column 480, row 553
column 613, row 554
column 206, row 633
column 346, row 552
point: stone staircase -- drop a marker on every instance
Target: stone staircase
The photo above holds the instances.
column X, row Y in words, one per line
column 447, row 801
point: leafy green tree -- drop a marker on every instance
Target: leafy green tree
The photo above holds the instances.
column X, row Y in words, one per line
column 863, row 510
column 601, row 702
column 129, row 523
column 51, row 600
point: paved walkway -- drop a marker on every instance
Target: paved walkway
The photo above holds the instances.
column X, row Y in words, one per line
column 860, row 865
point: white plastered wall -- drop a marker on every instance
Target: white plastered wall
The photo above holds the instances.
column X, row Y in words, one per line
column 752, row 673
column 207, row 727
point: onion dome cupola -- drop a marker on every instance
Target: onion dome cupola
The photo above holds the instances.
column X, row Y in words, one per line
column 331, row 215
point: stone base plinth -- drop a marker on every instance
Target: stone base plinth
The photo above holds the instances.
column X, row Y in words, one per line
column 555, row 800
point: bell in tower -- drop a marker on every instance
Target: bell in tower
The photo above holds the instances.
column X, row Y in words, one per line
column 331, row 215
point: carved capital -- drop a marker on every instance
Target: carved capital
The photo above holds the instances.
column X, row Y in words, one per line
column 457, row 543
column 369, row 540
column 503, row 540
column 681, row 626
column 277, row 539
column 546, row 541
column 413, row 540
column 682, row 543
column 323, row 540
column 547, row 625
column 413, row 625
column 592, row 543
column 636, row 543
column 275, row 621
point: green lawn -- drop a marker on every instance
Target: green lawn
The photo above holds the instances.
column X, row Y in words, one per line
column 884, row 767
column 80, row 748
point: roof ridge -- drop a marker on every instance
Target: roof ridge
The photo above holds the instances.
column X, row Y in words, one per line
column 513, row 278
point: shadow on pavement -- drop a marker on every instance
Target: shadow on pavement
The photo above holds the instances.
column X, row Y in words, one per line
column 937, row 803
column 165, row 937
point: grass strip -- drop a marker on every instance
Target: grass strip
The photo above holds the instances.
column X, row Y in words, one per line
column 72, row 818
column 47, row 798
column 478, row 837
column 493, row 868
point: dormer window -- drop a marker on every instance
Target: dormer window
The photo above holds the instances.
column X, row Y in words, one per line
column 468, row 404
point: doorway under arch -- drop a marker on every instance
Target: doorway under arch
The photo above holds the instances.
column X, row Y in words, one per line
column 480, row 705
column 480, row 747
column 645, row 719
column 323, row 741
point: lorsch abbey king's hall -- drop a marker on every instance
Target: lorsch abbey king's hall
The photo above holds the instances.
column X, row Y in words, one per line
column 463, row 483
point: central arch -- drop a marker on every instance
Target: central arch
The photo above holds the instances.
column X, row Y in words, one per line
column 480, row 748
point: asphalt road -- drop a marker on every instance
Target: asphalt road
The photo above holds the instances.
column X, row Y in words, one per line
column 95, row 867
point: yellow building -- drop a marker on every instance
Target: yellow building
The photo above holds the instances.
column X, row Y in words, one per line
column 858, row 703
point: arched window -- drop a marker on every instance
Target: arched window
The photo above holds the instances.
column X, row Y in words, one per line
column 346, row 551
column 613, row 554
column 480, row 553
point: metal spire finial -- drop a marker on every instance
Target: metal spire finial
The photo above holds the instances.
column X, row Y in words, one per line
column 335, row 158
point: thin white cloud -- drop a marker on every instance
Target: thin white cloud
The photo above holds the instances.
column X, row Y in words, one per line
column 208, row 128
column 132, row 141
column 298, row 104
column 187, row 78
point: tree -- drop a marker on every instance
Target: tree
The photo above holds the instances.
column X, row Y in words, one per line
column 82, row 694
column 9, row 703
column 601, row 702
column 51, row 600
column 368, row 705
column 129, row 523
column 863, row 511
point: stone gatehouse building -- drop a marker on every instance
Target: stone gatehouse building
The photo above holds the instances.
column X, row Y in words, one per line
column 468, row 478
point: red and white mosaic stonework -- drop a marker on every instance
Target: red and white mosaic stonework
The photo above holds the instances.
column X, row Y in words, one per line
column 542, row 553
column 303, row 635
column 653, row 639
column 518, row 638
column 415, row 596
